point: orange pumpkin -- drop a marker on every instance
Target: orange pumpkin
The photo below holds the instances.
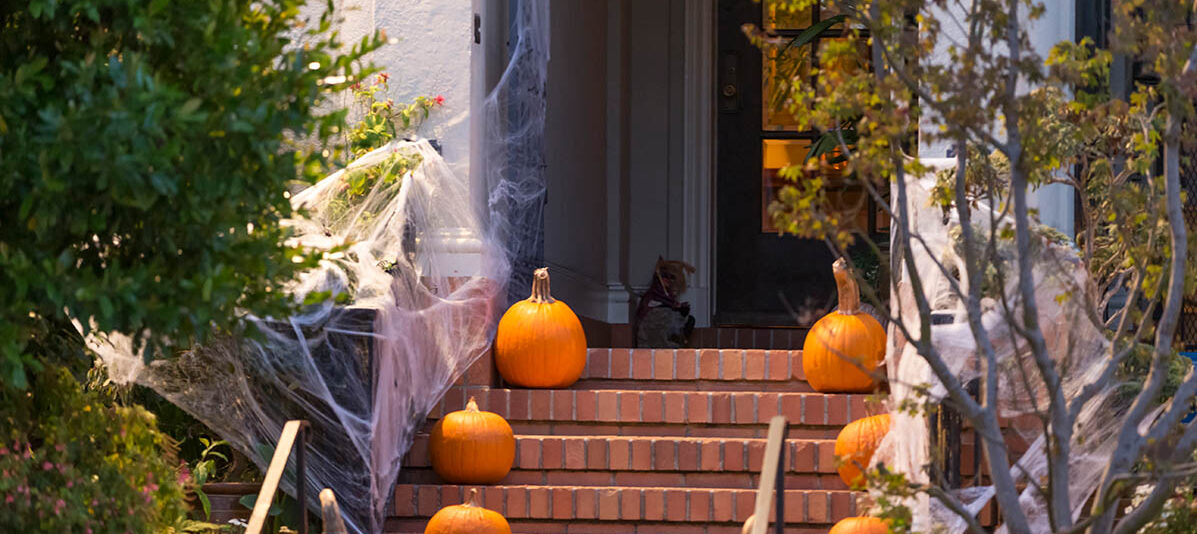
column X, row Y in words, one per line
column 855, row 445
column 471, row 446
column 860, row 525
column 844, row 348
column 540, row 343
column 468, row 518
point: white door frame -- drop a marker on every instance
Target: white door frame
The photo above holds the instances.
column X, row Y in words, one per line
column 698, row 141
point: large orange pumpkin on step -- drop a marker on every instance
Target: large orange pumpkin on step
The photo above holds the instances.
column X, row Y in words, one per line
column 471, row 446
column 540, row 343
column 468, row 518
column 855, row 445
column 860, row 525
column 844, row 348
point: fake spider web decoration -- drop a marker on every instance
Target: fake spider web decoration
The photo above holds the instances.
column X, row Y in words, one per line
column 419, row 277
column 1076, row 344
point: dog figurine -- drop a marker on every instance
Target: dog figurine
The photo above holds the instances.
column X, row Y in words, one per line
column 663, row 321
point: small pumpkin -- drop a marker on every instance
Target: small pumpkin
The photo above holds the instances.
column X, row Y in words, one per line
column 471, row 446
column 844, row 348
column 855, row 445
column 860, row 525
column 467, row 518
column 540, row 342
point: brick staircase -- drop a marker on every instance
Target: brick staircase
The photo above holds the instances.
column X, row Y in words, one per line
column 660, row 441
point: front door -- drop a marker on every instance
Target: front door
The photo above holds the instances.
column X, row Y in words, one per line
column 763, row 278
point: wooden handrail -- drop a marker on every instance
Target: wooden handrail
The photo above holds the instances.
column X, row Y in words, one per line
column 274, row 474
column 330, row 513
column 773, row 472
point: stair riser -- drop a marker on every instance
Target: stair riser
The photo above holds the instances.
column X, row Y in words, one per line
column 657, row 407
column 695, row 364
column 744, row 480
column 532, row 526
column 617, row 454
column 688, row 505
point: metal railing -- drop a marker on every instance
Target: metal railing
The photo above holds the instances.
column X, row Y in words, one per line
column 773, row 472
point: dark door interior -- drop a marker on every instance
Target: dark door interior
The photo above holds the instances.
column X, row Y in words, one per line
column 763, row 278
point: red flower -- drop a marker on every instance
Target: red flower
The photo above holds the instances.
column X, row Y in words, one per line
column 383, row 77
column 440, row 100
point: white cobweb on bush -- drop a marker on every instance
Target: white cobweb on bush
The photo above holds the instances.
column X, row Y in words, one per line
column 419, row 273
column 1076, row 344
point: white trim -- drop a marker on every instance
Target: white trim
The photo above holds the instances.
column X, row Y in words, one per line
column 699, row 157
column 589, row 297
column 616, row 308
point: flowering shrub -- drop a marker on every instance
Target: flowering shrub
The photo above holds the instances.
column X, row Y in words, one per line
column 71, row 463
column 1179, row 515
column 382, row 120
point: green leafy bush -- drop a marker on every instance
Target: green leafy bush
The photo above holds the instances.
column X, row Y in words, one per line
column 145, row 150
column 71, row 463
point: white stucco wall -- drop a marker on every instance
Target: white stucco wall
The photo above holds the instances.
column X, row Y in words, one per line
column 1058, row 23
column 429, row 54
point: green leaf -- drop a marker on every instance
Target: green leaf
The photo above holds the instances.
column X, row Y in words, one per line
column 190, row 106
column 813, row 31
column 205, row 503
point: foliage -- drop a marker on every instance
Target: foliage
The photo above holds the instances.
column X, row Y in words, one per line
column 144, row 154
column 1179, row 515
column 382, row 120
column 964, row 73
column 71, row 463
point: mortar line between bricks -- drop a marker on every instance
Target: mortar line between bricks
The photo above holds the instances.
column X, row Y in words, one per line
column 640, row 406
column 744, row 364
column 789, row 365
column 756, row 408
column 719, row 362
column 673, row 364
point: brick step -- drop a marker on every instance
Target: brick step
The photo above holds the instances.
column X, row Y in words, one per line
column 532, row 526
column 621, row 505
column 656, row 407
column 673, row 479
column 690, row 365
column 648, row 461
column 531, row 428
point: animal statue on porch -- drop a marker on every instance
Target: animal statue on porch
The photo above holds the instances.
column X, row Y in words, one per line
column 663, row 321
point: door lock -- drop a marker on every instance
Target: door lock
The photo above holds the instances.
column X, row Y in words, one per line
column 729, row 80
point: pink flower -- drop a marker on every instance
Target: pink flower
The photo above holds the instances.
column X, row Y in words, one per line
column 8, row 499
column 60, row 447
column 47, row 466
column 440, row 100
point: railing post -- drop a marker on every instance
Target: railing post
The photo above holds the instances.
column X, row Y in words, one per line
column 780, row 485
column 301, row 482
column 274, row 474
column 772, row 479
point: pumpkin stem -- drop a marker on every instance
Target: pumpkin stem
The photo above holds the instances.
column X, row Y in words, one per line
column 845, row 284
column 540, row 287
column 471, row 406
column 471, row 499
